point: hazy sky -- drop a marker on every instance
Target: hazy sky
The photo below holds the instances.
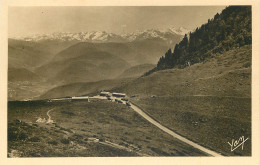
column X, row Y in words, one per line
column 32, row 20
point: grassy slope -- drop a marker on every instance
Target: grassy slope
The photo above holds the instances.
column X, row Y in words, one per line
column 210, row 121
column 227, row 74
column 218, row 90
column 35, row 141
column 76, row 121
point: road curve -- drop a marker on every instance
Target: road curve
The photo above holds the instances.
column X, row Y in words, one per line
column 148, row 118
column 49, row 116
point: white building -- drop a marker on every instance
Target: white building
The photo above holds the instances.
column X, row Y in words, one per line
column 80, row 98
column 104, row 94
column 118, row 94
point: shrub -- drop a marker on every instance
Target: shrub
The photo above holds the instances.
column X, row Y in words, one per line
column 34, row 139
column 65, row 141
column 53, row 142
column 68, row 113
column 148, row 138
column 23, row 136
column 247, row 65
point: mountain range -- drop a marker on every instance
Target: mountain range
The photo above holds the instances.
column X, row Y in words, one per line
column 102, row 36
column 40, row 62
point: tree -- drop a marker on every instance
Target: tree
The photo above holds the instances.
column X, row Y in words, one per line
column 226, row 31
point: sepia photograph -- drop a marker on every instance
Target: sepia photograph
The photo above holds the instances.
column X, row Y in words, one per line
column 130, row 81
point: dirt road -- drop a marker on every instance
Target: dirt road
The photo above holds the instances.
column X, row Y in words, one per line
column 49, row 116
column 175, row 135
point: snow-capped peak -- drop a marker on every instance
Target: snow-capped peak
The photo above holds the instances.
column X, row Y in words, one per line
column 180, row 30
column 102, row 36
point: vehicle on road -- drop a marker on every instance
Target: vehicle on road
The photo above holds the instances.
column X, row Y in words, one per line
column 128, row 104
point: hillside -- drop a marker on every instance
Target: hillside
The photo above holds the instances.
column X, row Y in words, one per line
column 227, row 74
column 150, row 50
column 86, row 62
column 87, row 67
column 26, row 54
column 22, row 74
column 208, row 98
column 228, row 30
column 136, row 71
column 83, row 88
column 23, row 54
column 135, row 53
column 96, row 128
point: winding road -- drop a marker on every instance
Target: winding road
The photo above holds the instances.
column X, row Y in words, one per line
column 49, row 116
column 175, row 135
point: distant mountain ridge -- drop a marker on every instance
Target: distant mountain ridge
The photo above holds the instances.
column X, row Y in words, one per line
column 102, row 36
